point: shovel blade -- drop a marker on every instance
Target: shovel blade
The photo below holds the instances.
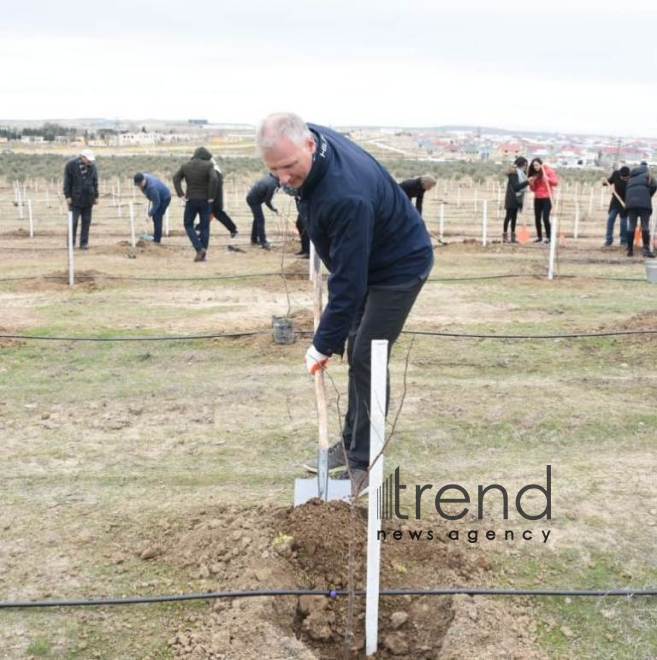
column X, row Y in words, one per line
column 308, row 489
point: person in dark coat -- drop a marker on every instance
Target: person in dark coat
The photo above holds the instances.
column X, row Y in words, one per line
column 81, row 192
column 262, row 192
column 159, row 196
column 415, row 189
column 618, row 182
column 372, row 241
column 638, row 200
column 201, row 189
column 218, row 210
column 516, row 187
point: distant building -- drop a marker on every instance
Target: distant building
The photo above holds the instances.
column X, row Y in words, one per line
column 197, row 122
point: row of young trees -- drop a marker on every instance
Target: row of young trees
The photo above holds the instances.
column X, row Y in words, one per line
column 19, row 167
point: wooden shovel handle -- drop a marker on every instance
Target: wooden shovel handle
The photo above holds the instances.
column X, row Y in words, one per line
column 320, row 387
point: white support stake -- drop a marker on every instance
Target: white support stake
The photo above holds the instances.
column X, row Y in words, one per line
column 311, row 262
column 484, row 223
column 167, row 229
column 576, row 231
column 132, row 225
column 554, row 233
column 20, row 202
column 591, row 203
column 71, row 262
column 441, row 227
column 377, row 433
column 30, row 218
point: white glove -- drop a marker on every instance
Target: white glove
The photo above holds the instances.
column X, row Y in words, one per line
column 315, row 361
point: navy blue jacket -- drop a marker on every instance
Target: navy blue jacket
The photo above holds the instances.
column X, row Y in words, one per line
column 262, row 192
column 156, row 191
column 640, row 189
column 364, row 229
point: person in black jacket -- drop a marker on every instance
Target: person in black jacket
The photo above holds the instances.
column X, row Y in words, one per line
column 374, row 244
column 638, row 200
column 516, row 187
column 262, row 192
column 302, row 229
column 415, row 189
column 218, row 210
column 201, row 181
column 81, row 192
column 618, row 182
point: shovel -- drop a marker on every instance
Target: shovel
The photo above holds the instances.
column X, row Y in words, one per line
column 320, row 486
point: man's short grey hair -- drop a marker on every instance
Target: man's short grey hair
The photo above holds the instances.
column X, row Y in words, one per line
column 280, row 125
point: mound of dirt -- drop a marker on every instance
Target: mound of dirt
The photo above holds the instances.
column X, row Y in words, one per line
column 85, row 280
column 322, row 546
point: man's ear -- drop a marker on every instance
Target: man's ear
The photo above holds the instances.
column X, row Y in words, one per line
column 311, row 144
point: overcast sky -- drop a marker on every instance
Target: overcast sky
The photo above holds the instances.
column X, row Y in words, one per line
column 546, row 65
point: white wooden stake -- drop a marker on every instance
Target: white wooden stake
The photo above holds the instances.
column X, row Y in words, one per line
column 132, row 225
column 20, row 202
column 377, row 433
column 554, row 234
column 311, row 262
column 576, row 231
column 484, row 223
column 166, row 222
column 441, row 227
column 30, row 218
column 71, row 262
column 47, row 199
column 591, row 202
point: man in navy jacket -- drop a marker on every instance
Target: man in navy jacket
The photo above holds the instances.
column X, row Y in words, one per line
column 159, row 196
column 374, row 244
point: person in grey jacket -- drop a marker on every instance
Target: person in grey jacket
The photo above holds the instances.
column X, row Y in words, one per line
column 638, row 201
column 201, row 189
column 81, row 192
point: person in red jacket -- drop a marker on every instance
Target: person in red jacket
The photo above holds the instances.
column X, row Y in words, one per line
column 542, row 180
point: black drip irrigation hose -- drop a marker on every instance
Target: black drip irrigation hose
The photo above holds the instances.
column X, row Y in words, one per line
column 257, row 333
column 131, row 278
column 333, row 594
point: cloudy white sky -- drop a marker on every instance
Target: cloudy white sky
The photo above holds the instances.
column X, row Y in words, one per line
column 579, row 66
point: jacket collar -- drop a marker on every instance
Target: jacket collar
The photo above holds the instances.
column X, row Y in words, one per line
column 321, row 159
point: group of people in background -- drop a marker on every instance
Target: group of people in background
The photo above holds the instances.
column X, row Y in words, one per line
column 541, row 180
column 631, row 201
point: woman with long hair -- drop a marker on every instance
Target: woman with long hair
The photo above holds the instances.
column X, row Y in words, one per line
column 542, row 180
column 516, row 187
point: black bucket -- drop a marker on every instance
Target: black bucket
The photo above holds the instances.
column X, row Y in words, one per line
column 283, row 330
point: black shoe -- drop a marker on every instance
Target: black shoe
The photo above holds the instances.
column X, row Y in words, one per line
column 265, row 246
column 538, row 240
column 513, row 238
column 547, row 241
column 234, row 233
column 301, row 253
column 200, row 255
column 630, row 252
column 84, row 247
column 336, row 454
column 648, row 253
column 254, row 242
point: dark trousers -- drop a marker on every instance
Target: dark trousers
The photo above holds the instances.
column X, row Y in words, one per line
column 226, row 221
column 382, row 316
column 542, row 208
column 85, row 214
column 303, row 235
column 258, row 226
column 510, row 217
column 199, row 207
column 158, row 216
column 643, row 216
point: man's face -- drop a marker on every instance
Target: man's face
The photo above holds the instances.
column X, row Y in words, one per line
column 85, row 161
column 290, row 163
